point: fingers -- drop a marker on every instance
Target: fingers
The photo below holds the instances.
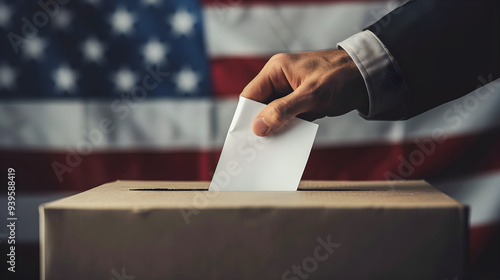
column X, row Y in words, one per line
column 260, row 88
column 270, row 81
column 279, row 112
column 273, row 82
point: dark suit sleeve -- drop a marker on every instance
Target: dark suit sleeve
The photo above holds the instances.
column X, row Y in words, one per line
column 443, row 48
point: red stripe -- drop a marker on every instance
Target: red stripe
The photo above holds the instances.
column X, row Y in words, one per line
column 236, row 3
column 231, row 75
column 457, row 156
column 35, row 171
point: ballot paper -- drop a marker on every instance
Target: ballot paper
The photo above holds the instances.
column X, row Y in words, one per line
column 271, row 163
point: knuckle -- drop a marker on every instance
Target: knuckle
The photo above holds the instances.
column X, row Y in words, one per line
column 280, row 58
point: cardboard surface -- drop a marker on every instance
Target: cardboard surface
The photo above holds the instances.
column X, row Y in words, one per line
column 375, row 230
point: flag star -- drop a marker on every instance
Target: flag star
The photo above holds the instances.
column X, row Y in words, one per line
column 122, row 21
column 187, row 80
column 124, row 80
column 65, row 79
column 151, row 2
column 7, row 76
column 34, row 48
column 62, row 20
column 182, row 22
column 93, row 50
column 154, row 51
column 5, row 15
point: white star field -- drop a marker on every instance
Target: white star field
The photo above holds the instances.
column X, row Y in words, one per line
column 94, row 49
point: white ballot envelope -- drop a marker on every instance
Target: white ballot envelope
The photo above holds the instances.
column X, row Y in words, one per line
column 271, row 163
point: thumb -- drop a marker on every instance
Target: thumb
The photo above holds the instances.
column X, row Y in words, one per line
column 279, row 112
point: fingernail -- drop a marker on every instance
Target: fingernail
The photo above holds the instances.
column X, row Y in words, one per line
column 260, row 126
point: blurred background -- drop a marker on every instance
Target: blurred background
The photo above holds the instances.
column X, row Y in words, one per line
column 94, row 91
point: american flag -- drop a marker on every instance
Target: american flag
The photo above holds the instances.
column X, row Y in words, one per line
column 93, row 91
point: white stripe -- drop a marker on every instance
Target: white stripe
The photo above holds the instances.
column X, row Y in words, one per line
column 481, row 193
column 152, row 124
column 155, row 124
column 260, row 30
column 27, row 124
column 166, row 124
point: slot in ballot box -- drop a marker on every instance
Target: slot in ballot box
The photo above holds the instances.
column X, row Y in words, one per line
column 325, row 230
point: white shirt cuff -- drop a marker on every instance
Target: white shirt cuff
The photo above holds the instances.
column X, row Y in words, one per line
column 386, row 88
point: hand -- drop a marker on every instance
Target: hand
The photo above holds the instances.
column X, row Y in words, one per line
column 312, row 84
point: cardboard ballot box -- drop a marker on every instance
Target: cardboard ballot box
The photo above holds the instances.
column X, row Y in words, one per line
column 325, row 230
